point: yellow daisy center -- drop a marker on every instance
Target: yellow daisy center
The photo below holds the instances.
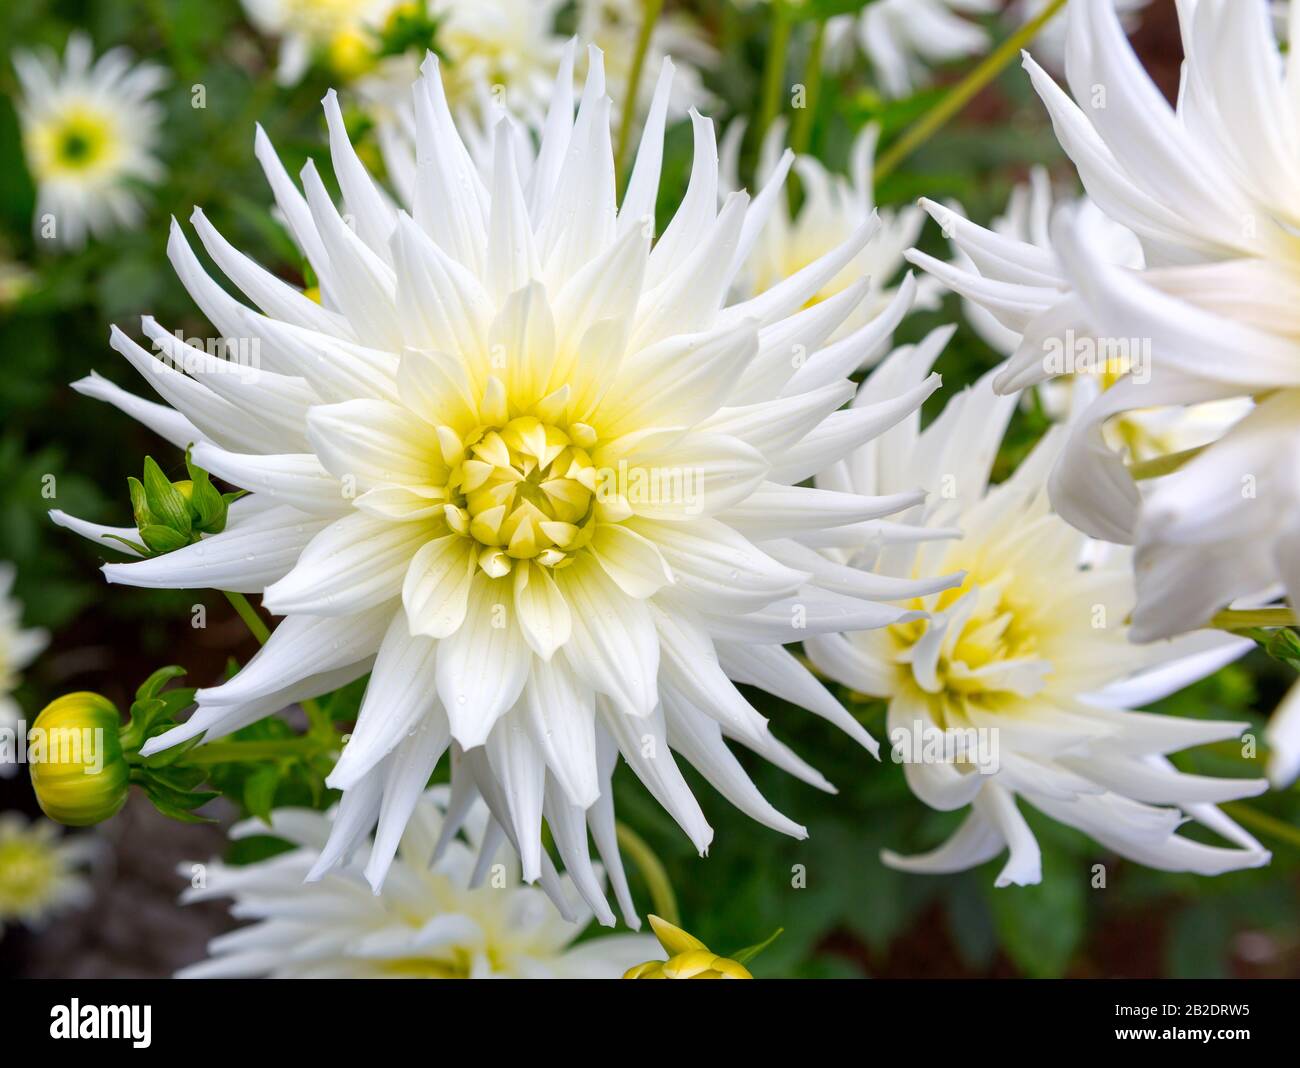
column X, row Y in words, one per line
column 78, row 141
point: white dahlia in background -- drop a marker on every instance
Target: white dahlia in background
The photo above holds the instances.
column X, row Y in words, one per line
column 89, row 127
column 1016, row 295
column 614, row 26
column 903, row 39
column 499, row 52
column 463, row 916
column 39, row 870
column 342, row 33
column 1210, row 190
column 1021, row 681
column 533, row 472
column 18, row 647
column 832, row 206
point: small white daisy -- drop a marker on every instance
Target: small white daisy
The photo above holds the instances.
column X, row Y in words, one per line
column 449, row 910
column 89, row 129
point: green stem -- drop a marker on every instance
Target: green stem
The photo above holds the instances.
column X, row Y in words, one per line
column 961, row 94
column 1246, row 619
column 249, row 615
column 1263, row 822
column 801, row 134
column 652, row 871
column 774, row 68
column 1163, row 465
column 650, row 12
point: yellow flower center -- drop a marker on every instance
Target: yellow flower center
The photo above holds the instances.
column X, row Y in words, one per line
column 78, row 141
column 987, row 656
column 524, row 491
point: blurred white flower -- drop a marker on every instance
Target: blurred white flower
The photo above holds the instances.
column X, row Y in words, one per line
column 38, row 870
column 343, row 33
column 1049, row 45
column 1212, row 191
column 538, row 477
column 443, row 914
column 903, row 39
column 614, row 25
column 89, row 130
column 832, row 206
column 18, row 647
column 1021, row 681
column 500, row 53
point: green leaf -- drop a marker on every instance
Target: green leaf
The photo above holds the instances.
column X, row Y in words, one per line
column 744, row 956
column 143, row 550
column 151, row 686
column 139, row 503
column 259, row 791
column 165, row 500
column 162, row 539
column 207, row 504
column 1040, row 927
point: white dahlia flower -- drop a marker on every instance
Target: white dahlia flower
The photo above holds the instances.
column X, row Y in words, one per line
column 39, row 873
column 833, row 205
column 499, row 52
column 1021, row 681
column 1013, row 290
column 903, row 39
column 532, row 471
column 449, row 910
column 89, row 127
column 342, row 32
column 18, row 647
column 1210, row 189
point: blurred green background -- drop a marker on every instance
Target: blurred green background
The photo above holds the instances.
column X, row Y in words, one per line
column 843, row 912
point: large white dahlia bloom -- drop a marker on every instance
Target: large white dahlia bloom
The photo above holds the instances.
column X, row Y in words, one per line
column 465, row 916
column 1020, row 682
column 89, row 128
column 1209, row 188
column 529, row 468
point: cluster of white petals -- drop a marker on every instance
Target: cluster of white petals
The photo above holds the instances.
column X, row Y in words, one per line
column 1020, row 682
column 534, row 471
column 1209, row 189
column 462, row 916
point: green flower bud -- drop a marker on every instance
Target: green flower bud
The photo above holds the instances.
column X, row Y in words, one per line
column 79, row 771
column 170, row 515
